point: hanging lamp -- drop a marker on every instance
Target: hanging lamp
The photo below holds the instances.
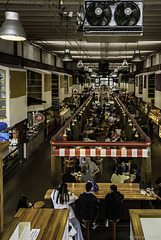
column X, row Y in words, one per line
column 136, row 56
column 80, row 62
column 67, row 56
column 125, row 63
column 12, row 29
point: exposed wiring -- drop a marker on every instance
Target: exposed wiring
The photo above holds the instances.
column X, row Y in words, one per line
column 6, row 6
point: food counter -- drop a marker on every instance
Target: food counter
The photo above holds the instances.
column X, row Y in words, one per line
column 12, row 156
column 33, row 142
column 154, row 114
column 64, row 114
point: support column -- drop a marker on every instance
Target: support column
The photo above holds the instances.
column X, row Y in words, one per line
column 1, row 192
column 55, row 170
column 146, row 170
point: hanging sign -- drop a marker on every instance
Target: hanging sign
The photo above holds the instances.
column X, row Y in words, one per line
column 39, row 117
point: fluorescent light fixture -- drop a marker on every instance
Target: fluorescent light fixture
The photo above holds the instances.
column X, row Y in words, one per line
column 12, row 29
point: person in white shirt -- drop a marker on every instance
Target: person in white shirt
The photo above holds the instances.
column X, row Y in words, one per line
column 61, row 199
column 118, row 177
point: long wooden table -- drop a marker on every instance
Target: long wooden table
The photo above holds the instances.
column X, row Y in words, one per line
column 130, row 191
column 133, row 199
column 51, row 222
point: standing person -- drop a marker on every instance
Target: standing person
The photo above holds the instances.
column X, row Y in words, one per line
column 89, row 205
column 61, row 199
column 91, row 167
column 151, row 129
column 113, row 202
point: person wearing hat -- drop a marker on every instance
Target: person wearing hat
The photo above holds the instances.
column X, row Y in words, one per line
column 157, row 203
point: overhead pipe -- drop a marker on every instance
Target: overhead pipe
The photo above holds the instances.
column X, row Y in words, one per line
column 54, row 141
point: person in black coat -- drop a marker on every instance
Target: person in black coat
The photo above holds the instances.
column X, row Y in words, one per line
column 68, row 177
column 113, row 201
column 89, row 205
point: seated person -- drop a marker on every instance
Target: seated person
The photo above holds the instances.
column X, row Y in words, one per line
column 68, row 177
column 23, row 203
column 89, row 205
column 123, row 167
column 91, row 167
column 113, row 201
column 62, row 199
column 86, row 176
column 118, row 177
column 157, row 203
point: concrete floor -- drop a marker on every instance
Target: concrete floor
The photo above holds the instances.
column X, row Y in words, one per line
column 32, row 177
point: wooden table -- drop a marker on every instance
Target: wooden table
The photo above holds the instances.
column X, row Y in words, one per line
column 133, row 199
column 130, row 191
column 51, row 222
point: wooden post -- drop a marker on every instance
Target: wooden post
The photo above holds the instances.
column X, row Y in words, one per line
column 3, row 146
column 146, row 170
column 55, row 170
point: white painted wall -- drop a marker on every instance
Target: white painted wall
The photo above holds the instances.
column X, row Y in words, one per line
column 31, row 52
column 137, row 88
column 47, row 98
column 59, row 62
column 18, row 110
column 47, row 58
column 157, row 99
column 7, row 47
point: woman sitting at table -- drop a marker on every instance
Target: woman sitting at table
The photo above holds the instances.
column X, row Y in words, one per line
column 23, row 203
column 61, row 199
column 118, row 177
column 86, row 176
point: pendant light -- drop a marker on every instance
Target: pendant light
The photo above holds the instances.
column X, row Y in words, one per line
column 12, row 29
column 67, row 56
column 137, row 56
column 125, row 63
column 80, row 62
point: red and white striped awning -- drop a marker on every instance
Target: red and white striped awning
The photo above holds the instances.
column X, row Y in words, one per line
column 65, row 152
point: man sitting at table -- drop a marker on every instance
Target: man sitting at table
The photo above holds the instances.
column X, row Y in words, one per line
column 89, row 205
column 123, row 167
column 91, row 167
column 68, row 177
column 113, row 202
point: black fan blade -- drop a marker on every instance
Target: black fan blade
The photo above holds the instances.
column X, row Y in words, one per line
column 132, row 21
column 123, row 21
column 91, row 10
column 119, row 13
column 95, row 22
column 107, row 15
column 136, row 14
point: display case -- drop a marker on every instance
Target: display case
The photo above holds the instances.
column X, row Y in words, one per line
column 12, row 156
column 154, row 114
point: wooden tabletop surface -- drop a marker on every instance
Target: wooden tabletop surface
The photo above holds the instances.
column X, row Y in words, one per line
column 51, row 222
column 130, row 191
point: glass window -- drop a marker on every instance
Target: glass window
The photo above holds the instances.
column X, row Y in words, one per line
column 66, row 86
column 34, row 86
